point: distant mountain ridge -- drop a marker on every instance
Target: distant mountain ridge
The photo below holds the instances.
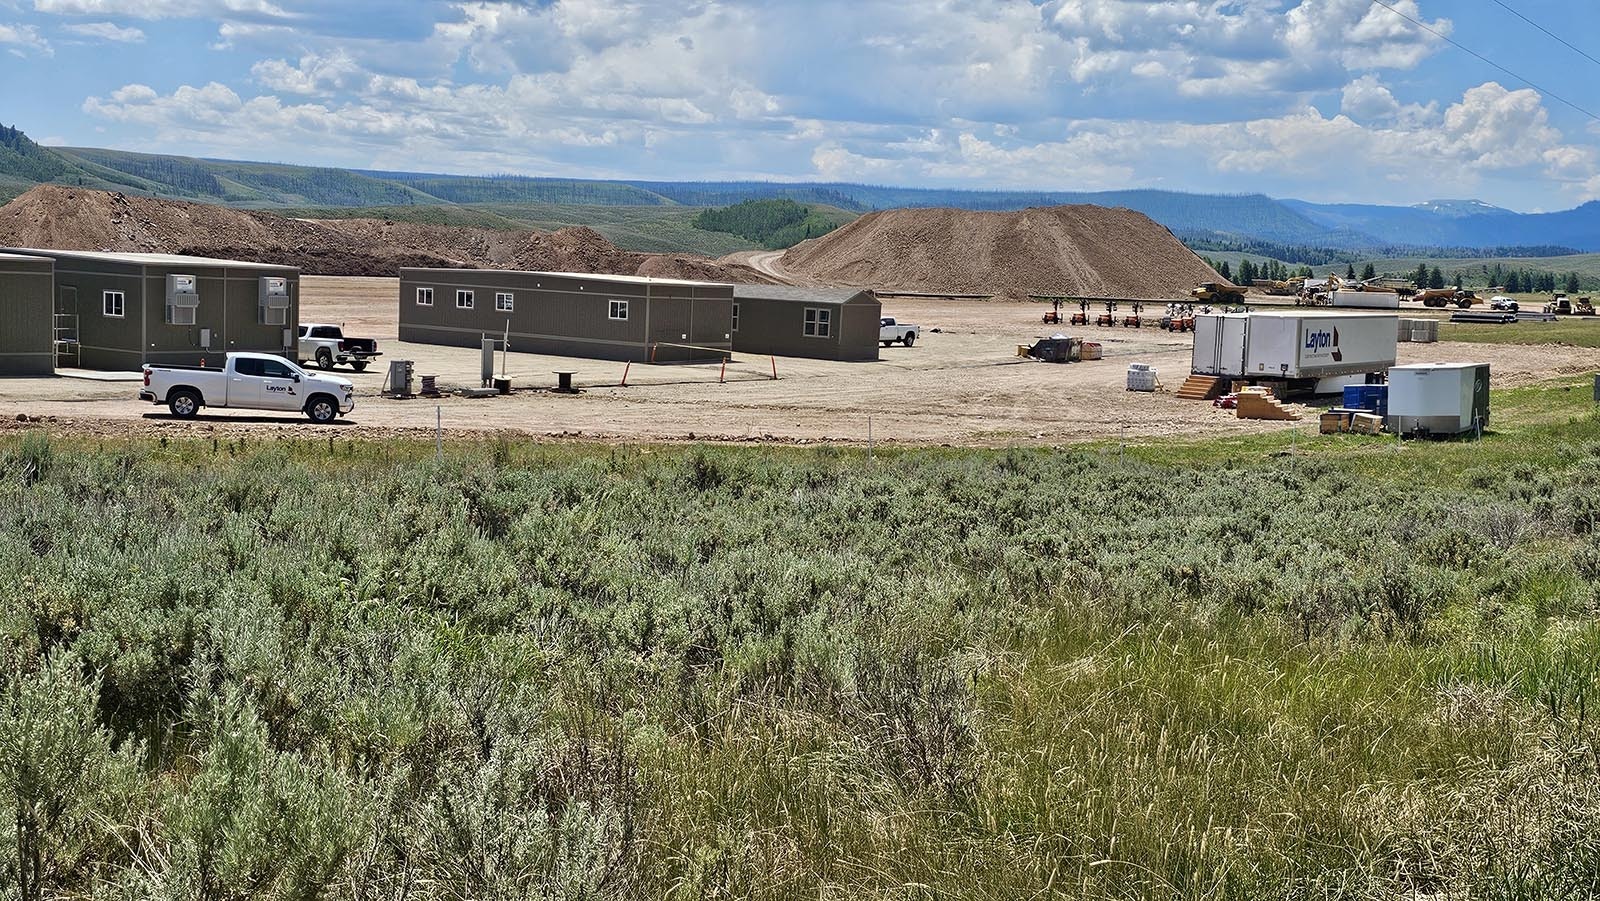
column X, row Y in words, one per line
column 1200, row 218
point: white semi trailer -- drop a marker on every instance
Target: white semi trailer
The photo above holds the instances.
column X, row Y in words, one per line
column 1298, row 351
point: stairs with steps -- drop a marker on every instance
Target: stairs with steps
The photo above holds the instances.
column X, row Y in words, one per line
column 1202, row 387
column 1258, row 403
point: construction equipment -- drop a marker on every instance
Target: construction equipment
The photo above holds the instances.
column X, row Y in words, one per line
column 1082, row 316
column 1218, row 292
column 1134, row 321
column 1563, row 306
column 1108, row 318
column 1445, row 297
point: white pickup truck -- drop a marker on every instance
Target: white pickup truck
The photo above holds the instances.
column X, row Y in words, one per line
column 890, row 331
column 326, row 345
column 249, row 382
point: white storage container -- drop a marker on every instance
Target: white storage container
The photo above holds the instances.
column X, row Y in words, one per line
column 1439, row 398
column 1367, row 300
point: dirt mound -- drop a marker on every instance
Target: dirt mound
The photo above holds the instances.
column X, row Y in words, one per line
column 63, row 218
column 1080, row 250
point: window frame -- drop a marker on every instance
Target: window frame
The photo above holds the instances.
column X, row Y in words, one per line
column 420, row 293
column 736, row 317
column 505, row 302
column 122, row 304
column 469, row 296
column 818, row 322
column 617, row 306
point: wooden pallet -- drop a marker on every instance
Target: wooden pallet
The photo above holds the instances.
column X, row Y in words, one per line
column 1202, row 387
column 1258, row 403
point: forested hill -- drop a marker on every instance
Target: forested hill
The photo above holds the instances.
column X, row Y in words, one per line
column 1210, row 221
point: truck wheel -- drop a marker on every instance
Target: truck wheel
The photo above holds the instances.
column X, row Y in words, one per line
column 183, row 404
column 322, row 409
column 324, row 358
column 909, row 339
column 359, row 365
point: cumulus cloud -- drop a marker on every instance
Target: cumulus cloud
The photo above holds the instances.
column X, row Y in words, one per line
column 106, row 31
column 22, row 40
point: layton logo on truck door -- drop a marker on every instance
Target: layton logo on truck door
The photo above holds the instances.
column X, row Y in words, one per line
column 1323, row 343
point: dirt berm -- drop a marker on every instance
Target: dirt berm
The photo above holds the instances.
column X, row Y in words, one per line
column 63, row 218
column 1077, row 250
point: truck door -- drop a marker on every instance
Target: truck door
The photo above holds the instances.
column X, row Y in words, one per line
column 279, row 390
column 244, row 384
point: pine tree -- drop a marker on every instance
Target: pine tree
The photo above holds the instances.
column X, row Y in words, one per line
column 1513, row 283
column 1222, row 270
column 1573, row 283
column 1420, row 277
column 1350, row 272
column 1459, row 280
column 1436, row 278
column 1369, row 271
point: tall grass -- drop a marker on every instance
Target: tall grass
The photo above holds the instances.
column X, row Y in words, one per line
column 267, row 669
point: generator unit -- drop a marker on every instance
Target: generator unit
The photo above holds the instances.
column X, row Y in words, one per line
column 1438, row 398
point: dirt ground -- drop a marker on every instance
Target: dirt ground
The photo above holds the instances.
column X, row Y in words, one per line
column 962, row 384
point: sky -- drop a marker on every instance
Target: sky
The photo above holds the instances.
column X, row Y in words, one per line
column 1323, row 100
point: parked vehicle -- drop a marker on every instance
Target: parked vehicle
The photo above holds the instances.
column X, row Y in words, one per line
column 890, row 331
column 327, row 345
column 1563, row 306
column 248, row 381
column 1502, row 303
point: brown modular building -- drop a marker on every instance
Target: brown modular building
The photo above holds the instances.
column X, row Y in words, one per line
column 117, row 311
column 822, row 323
column 27, row 315
column 608, row 317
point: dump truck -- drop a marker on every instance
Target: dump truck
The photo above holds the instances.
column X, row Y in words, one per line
column 1218, row 292
column 1446, row 297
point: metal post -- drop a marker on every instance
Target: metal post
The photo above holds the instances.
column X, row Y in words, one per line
column 438, row 433
column 869, row 437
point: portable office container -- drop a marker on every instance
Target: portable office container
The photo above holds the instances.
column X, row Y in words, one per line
column 121, row 310
column 1366, row 300
column 27, row 315
column 1438, row 398
column 821, row 323
column 608, row 317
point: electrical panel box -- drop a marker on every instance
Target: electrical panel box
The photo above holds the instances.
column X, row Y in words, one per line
column 183, row 296
column 275, row 300
column 205, row 338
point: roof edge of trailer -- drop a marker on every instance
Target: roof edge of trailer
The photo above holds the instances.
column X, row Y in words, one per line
column 796, row 294
column 588, row 276
column 144, row 259
column 24, row 258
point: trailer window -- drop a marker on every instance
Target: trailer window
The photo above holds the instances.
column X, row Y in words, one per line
column 503, row 302
column 114, row 304
column 463, row 300
column 819, row 322
column 736, row 317
column 619, row 310
column 424, row 297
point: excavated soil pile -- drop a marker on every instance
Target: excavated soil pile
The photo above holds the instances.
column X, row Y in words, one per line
column 1079, row 250
column 61, row 218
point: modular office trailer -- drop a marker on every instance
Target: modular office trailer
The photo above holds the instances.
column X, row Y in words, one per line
column 608, row 317
column 27, row 315
column 1294, row 346
column 121, row 310
column 822, row 323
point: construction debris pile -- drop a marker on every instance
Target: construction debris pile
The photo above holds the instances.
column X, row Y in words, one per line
column 1074, row 251
column 63, row 218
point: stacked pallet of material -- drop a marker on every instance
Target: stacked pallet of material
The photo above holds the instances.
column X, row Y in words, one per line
column 1405, row 329
column 1424, row 331
column 1334, row 422
column 1201, row 387
column 1366, row 424
column 1258, row 403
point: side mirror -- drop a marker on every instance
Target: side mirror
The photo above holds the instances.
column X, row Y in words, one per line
column 297, row 377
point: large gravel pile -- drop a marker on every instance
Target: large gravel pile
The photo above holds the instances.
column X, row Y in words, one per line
column 63, row 218
column 1080, row 250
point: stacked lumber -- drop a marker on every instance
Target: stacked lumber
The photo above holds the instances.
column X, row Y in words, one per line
column 1258, row 403
column 1201, row 387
